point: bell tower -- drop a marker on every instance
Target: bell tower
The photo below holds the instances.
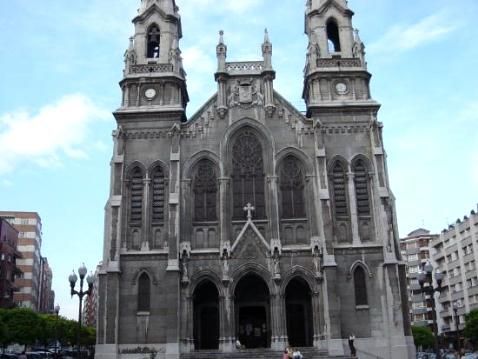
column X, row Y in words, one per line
column 335, row 71
column 154, row 78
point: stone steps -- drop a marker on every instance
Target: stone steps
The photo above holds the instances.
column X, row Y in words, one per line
column 308, row 353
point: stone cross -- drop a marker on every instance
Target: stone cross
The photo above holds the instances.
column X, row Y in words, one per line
column 249, row 208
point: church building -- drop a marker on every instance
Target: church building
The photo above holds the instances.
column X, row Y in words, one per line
column 251, row 225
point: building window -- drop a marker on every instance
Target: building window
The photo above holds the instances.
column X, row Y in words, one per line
column 144, row 293
column 413, row 257
column 153, row 42
column 360, row 286
column 362, row 194
column 248, row 175
column 205, row 191
column 136, row 195
column 292, row 183
column 333, row 37
column 339, row 186
column 158, row 198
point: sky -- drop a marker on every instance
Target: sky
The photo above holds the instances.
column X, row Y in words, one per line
column 62, row 61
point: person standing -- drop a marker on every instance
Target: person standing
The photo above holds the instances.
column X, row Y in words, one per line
column 353, row 351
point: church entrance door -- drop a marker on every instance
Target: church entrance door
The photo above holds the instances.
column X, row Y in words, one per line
column 299, row 313
column 252, row 307
column 206, row 316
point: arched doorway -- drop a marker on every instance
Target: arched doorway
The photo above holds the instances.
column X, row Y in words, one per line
column 206, row 316
column 252, row 312
column 298, row 305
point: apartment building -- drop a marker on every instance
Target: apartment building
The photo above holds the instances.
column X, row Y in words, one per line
column 29, row 227
column 415, row 251
column 8, row 263
column 455, row 253
column 90, row 303
column 45, row 303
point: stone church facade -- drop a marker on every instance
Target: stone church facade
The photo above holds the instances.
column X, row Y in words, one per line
column 250, row 221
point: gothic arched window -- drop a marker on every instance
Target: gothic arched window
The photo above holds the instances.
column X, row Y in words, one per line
column 158, row 195
column 136, row 195
column 205, row 191
column 144, row 293
column 333, row 36
column 247, row 175
column 362, row 193
column 292, row 183
column 339, row 187
column 360, row 286
column 153, row 42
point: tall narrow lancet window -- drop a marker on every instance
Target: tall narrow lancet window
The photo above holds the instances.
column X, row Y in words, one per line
column 360, row 286
column 247, row 175
column 158, row 195
column 362, row 193
column 153, row 42
column 144, row 293
column 136, row 196
column 333, row 36
column 339, row 187
column 205, row 191
column 292, row 182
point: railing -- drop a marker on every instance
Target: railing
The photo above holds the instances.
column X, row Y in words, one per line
column 149, row 68
column 244, row 67
column 337, row 62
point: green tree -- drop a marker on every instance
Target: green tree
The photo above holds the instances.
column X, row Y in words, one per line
column 4, row 338
column 471, row 326
column 423, row 336
column 23, row 325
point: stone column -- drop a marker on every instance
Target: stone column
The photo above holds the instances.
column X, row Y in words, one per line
column 353, row 209
column 317, row 318
column 146, row 232
column 274, row 207
column 276, row 322
column 224, row 212
column 187, row 211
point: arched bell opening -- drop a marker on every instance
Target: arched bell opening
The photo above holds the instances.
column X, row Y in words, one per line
column 298, row 301
column 206, row 316
column 252, row 312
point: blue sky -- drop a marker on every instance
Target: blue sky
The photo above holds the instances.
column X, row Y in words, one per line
column 62, row 61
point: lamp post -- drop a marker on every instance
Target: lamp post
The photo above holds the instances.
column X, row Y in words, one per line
column 73, row 278
column 457, row 325
column 57, row 311
column 425, row 277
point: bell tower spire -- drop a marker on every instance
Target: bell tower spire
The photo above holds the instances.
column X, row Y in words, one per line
column 154, row 78
column 335, row 70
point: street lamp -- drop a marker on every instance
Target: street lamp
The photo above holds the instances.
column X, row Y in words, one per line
column 57, row 311
column 425, row 277
column 73, row 278
column 457, row 325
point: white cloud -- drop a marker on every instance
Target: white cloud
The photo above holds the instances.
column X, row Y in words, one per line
column 57, row 130
column 405, row 37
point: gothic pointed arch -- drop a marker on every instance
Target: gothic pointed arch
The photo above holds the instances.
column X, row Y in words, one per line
column 205, row 191
column 248, row 175
column 360, row 169
column 338, row 185
column 292, row 188
column 144, row 293
column 360, row 286
column 299, row 313
column 158, row 193
column 333, row 36
column 206, row 315
column 153, row 41
column 135, row 181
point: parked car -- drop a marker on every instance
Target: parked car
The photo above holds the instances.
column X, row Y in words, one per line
column 8, row 356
